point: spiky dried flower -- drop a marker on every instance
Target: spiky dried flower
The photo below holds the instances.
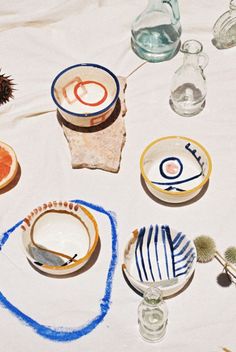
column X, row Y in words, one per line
column 205, row 247
column 6, row 88
column 230, row 255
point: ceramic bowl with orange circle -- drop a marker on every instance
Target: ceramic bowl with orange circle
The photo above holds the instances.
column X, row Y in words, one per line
column 85, row 94
column 59, row 238
column 175, row 169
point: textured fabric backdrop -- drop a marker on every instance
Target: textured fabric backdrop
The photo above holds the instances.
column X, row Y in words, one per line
column 40, row 38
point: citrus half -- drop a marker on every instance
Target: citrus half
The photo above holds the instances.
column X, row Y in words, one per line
column 8, row 164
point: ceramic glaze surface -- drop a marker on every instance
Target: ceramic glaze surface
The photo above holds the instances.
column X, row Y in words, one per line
column 59, row 238
column 84, row 93
column 159, row 254
column 176, row 166
column 62, row 232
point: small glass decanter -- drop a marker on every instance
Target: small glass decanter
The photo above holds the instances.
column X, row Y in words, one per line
column 156, row 31
column 152, row 315
column 188, row 88
column 224, row 30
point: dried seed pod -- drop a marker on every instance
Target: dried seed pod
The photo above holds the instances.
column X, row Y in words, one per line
column 206, row 248
column 6, row 89
column 230, row 255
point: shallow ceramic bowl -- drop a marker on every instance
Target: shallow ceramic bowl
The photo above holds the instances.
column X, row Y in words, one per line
column 85, row 94
column 59, row 237
column 175, row 168
column 159, row 254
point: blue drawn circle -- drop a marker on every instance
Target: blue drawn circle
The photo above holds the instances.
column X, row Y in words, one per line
column 69, row 334
column 162, row 172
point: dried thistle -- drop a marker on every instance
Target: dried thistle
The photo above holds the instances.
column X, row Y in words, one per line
column 6, row 89
column 230, row 255
column 206, row 248
column 206, row 251
column 226, row 349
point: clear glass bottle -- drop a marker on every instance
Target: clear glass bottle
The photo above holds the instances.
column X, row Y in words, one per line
column 156, row 31
column 188, row 87
column 152, row 315
column 224, row 30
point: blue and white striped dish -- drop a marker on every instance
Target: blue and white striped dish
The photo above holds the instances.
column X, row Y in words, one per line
column 159, row 254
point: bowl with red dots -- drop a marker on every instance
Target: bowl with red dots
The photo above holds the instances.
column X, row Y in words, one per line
column 175, row 169
column 85, row 94
column 59, row 237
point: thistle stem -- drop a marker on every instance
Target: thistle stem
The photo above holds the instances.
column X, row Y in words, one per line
column 228, row 266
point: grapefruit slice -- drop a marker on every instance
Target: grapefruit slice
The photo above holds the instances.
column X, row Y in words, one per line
column 8, row 164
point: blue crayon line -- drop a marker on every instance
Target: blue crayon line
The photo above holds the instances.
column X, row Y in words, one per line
column 6, row 235
column 64, row 334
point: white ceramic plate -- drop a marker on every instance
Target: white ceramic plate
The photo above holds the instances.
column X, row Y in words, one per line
column 159, row 254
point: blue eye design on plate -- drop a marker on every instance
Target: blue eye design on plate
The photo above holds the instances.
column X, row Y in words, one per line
column 171, row 168
column 172, row 171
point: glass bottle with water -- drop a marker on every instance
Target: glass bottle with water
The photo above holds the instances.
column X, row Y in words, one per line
column 188, row 88
column 152, row 315
column 156, row 31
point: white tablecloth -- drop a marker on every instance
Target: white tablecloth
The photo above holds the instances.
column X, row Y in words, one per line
column 40, row 38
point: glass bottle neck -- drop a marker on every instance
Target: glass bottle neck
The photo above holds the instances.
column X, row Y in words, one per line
column 153, row 301
column 153, row 295
column 191, row 59
column 155, row 4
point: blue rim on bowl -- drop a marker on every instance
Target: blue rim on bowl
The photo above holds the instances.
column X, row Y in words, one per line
column 81, row 65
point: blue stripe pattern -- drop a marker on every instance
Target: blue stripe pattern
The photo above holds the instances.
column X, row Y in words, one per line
column 168, row 234
column 148, row 245
column 136, row 256
column 186, row 263
column 156, row 253
column 181, row 237
column 161, row 254
column 165, row 251
column 185, row 257
column 141, row 234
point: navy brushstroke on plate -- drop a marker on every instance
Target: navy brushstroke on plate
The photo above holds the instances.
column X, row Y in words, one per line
column 161, row 255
